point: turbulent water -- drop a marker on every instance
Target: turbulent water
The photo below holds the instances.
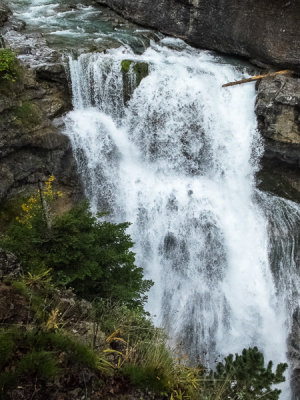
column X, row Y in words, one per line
column 78, row 25
column 178, row 161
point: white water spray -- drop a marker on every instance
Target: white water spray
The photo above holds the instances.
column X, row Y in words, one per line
column 179, row 162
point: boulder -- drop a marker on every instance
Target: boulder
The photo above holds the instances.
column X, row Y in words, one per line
column 264, row 31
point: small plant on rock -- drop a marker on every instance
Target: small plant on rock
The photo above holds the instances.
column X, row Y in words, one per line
column 8, row 62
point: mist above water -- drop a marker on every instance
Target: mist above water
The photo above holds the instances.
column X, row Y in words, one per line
column 178, row 162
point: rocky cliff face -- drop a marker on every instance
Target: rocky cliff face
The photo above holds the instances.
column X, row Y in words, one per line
column 32, row 146
column 266, row 31
column 278, row 116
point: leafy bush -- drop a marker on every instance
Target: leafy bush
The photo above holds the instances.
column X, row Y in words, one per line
column 89, row 254
column 134, row 324
column 8, row 65
column 41, row 354
column 38, row 363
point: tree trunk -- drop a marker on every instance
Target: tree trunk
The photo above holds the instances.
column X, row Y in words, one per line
column 44, row 206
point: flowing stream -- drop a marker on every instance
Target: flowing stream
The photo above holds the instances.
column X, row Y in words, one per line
column 176, row 155
column 178, row 161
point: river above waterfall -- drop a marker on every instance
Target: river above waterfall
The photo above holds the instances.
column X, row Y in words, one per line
column 80, row 26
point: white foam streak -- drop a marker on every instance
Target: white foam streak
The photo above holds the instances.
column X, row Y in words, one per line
column 179, row 163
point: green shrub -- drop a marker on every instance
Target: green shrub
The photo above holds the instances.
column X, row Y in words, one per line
column 134, row 325
column 38, row 363
column 8, row 65
column 146, row 377
column 125, row 65
column 7, row 347
column 77, row 352
column 25, row 354
column 89, row 254
column 246, row 377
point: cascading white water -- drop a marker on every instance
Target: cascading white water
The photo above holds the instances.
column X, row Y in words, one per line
column 178, row 162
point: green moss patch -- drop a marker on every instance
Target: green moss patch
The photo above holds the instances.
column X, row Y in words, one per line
column 125, row 64
column 8, row 65
column 27, row 115
column 139, row 69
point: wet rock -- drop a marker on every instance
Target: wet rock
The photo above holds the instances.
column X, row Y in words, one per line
column 294, row 354
column 278, row 116
column 225, row 26
column 279, row 178
column 52, row 72
column 4, row 13
column 133, row 72
column 13, row 24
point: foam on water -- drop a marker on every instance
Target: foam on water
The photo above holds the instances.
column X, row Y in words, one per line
column 179, row 163
column 77, row 26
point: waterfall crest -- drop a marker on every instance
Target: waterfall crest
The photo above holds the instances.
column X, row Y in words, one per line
column 179, row 162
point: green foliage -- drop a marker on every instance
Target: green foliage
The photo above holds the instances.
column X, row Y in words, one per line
column 7, row 347
column 27, row 115
column 125, row 65
column 152, row 364
column 9, row 210
column 89, row 254
column 37, row 290
column 44, row 355
column 245, row 376
column 146, row 377
column 8, row 63
column 134, row 324
column 38, row 363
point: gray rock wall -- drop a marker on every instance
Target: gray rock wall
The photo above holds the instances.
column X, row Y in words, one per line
column 278, row 115
column 266, row 31
column 32, row 145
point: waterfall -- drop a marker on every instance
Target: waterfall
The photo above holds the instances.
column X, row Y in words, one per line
column 178, row 161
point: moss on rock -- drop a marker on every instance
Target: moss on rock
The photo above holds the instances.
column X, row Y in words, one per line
column 27, row 115
column 125, row 64
column 137, row 71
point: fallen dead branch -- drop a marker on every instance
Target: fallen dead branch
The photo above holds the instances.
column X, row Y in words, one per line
column 257, row 77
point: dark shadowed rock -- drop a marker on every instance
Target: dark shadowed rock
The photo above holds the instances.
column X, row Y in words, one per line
column 278, row 115
column 267, row 31
column 9, row 264
column 32, row 146
column 294, row 354
column 4, row 13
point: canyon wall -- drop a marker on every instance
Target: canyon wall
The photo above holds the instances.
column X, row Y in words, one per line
column 266, row 32
column 32, row 145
